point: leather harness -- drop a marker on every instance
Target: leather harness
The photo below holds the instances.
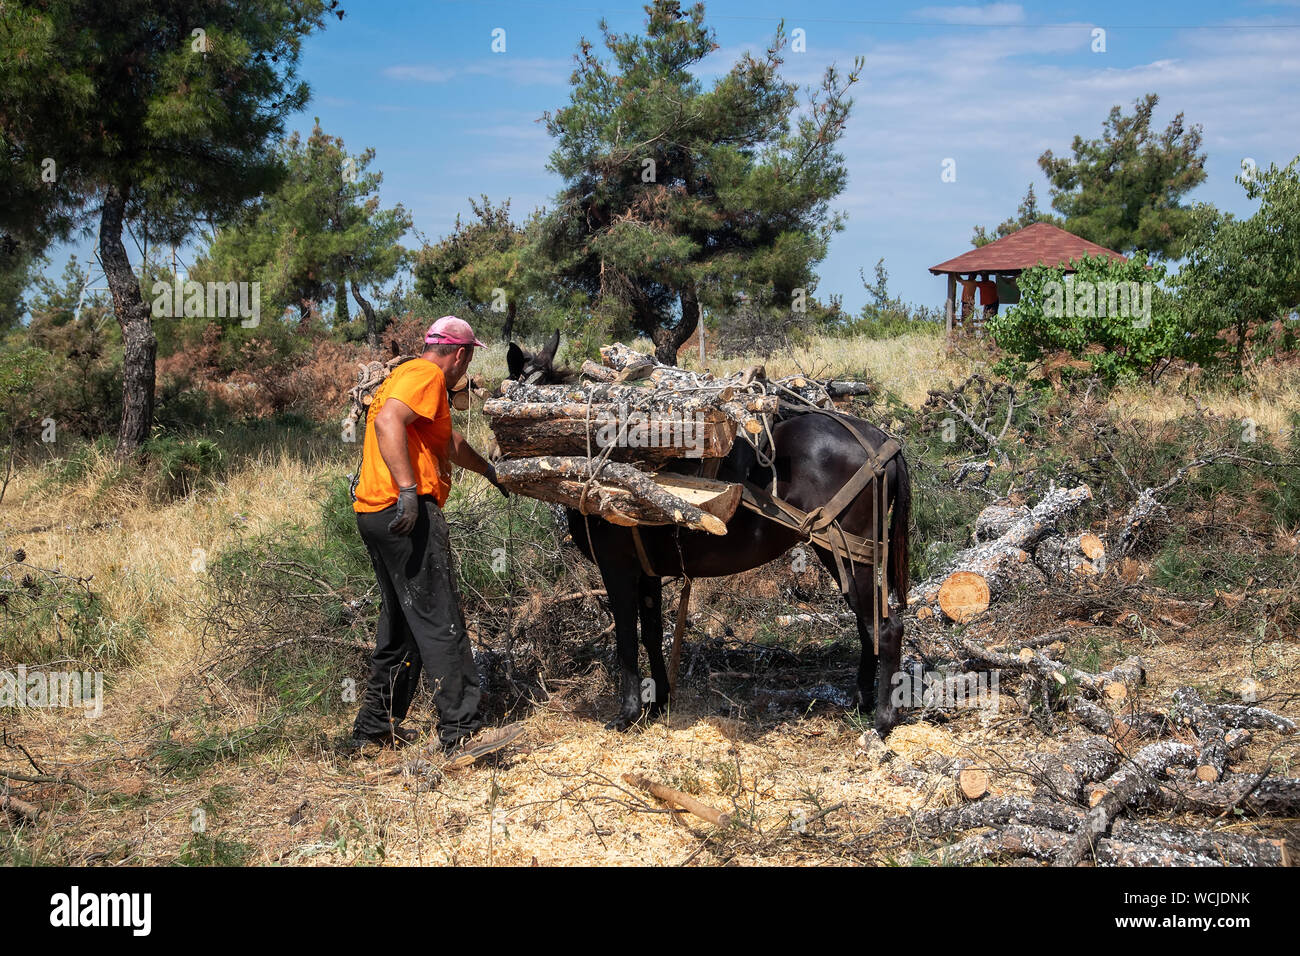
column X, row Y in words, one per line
column 821, row 525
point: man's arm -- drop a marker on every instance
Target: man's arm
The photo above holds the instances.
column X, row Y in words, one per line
column 390, row 434
column 462, row 453
column 390, row 431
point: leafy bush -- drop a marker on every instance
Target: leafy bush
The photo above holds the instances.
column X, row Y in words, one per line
column 1243, row 275
column 1113, row 316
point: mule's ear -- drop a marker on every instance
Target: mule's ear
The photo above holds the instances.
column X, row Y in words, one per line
column 547, row 355
column 515, row 360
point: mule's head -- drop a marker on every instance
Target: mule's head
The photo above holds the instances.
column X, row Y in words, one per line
column 535, row 368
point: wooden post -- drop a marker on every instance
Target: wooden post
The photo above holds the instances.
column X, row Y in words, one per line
column 952, row 299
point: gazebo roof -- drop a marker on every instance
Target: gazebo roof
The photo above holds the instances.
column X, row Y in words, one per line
column 1038, row 244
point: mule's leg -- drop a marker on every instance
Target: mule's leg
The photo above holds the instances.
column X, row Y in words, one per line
column 651, row 602
column 622, row 588
column 890, row 660
column 875, row 686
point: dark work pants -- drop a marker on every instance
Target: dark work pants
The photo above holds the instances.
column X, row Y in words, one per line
column 420, row 625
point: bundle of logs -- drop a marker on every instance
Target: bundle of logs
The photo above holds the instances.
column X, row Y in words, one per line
column 612, row 443
column 1015, row 545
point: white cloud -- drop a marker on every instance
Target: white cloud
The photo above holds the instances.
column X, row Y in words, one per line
column 529, row 71
column 991, row 14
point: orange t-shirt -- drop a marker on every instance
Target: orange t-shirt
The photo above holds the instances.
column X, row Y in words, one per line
column 988, row 292
column 419, row 385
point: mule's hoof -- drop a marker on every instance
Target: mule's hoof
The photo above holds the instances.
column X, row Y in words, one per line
column 863, row 702
column 886, row 720
column 656, row 710
column 621, row 723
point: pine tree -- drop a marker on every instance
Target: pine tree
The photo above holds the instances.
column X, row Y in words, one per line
column 676, row 195
column 317, row 236
column 1123, row 191
column 151, row 112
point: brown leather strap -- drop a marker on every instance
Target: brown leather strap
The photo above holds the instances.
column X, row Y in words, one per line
column 641, row 552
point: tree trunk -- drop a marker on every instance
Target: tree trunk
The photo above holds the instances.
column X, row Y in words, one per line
column 139, row 345
column 341, row 316
column 668, row 339
column 372, row 325
column 508, row 329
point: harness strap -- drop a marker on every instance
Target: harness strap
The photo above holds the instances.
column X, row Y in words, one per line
column 641, row 552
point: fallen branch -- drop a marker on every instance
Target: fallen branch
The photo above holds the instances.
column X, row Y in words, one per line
column 1130, row 784
column 685, row 801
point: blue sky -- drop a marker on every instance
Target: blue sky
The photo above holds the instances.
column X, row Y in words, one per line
column 988, row 85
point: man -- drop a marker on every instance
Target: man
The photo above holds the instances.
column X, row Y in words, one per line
column 988, row 295
column 967, row 298
column 404, row 481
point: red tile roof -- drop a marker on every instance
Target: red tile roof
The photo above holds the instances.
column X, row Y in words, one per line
column 1039, row 243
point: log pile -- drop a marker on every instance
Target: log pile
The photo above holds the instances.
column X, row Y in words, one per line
column 612, row 444
column 1005, row 554
column 1088, row 794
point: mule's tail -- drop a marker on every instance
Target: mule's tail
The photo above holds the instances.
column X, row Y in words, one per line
column 899, row 562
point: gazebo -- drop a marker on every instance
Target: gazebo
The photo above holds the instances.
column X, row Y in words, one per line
column 1005, row 258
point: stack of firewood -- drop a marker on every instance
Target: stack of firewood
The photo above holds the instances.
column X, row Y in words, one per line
column 1015, row 545
column 611, row 444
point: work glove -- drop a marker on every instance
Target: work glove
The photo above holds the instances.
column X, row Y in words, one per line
column 408, row 509
column 491, row 475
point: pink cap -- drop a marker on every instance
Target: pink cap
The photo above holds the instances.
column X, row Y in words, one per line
column 450, row 330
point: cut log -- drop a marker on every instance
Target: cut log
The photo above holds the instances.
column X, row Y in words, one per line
column 653, row 442
column 1274, row 796
column 1057, row 555
column 1013, row 840
column 972, row 783
column 1092, row 546
column 1101, row 721
column 598, row 393
column 619, row 493
column 598, row 373
column 1064, row 775
column 1229, row 849
column 718, row 498
column 1112, row 683
column 683, row 800
column 622, row 358
column 743, row 418
column 991, row 813
column 1004, row 560
column 995, row 520
column 1242, row 715
column 1111, row 852
column 963, row 595
column 845, row 389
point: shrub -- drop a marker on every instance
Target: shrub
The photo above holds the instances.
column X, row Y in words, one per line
column 1113, row 317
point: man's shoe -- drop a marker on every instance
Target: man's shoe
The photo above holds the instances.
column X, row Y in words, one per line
column 368, row 744
column 488, row 740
